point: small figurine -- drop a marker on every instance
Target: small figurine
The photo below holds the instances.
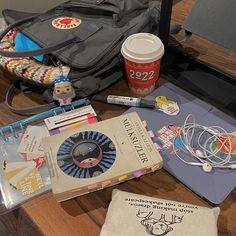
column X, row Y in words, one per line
column 63, row 90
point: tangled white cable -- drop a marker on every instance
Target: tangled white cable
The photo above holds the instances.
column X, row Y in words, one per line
column 200, row 141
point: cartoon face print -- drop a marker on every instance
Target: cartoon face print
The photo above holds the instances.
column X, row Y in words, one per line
column 157, row 226
column 87, row 154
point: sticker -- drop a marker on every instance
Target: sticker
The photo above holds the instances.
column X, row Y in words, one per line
column 166, row 135
column 167, row 106
column 225, row 143
column 66, row 22
column 172, row 136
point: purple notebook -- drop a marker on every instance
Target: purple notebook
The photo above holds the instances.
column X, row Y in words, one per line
column 213, row 186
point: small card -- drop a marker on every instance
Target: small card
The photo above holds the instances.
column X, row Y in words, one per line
column 77, row 115
column 31, row 142
column 24, row 176
column 30, row 183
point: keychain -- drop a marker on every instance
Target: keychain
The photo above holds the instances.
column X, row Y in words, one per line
column 63, row 89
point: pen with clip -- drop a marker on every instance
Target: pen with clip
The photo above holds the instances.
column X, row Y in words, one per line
column 126, row 101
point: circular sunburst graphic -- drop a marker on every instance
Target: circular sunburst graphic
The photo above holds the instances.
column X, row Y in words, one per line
column 86, row 154
column 66, row 22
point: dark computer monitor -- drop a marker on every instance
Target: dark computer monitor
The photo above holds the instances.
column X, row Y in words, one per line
column 214, row 21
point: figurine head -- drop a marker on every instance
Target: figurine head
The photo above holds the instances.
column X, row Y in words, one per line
column 63, row 88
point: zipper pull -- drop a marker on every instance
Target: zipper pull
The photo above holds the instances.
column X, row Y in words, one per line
column 60, row 68
column 58, row 64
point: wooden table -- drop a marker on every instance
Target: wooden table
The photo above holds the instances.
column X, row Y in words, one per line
column 85, row 215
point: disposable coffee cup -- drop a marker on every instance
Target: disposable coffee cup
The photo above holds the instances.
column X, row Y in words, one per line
column 142, row 54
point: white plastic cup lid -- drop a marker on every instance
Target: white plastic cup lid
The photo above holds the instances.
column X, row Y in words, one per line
column 142, row 48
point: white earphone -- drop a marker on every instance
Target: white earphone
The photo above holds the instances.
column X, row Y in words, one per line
column 203, row 137
column 205, row 166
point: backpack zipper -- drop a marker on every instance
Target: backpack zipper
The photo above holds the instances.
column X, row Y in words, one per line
column 98, row 5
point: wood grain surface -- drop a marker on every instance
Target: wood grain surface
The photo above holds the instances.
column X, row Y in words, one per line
column 200, row 48
column 84, row 216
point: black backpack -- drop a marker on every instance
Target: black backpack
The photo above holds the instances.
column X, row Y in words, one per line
column 92, row 50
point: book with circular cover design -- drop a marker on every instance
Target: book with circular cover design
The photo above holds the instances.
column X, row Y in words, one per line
column 99, row 155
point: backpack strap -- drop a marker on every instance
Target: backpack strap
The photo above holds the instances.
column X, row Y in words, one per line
column 28, row 110
column 84, row 87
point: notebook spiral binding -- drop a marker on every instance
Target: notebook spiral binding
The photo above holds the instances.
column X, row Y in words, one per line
column 19, row 126
column 9, row 197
